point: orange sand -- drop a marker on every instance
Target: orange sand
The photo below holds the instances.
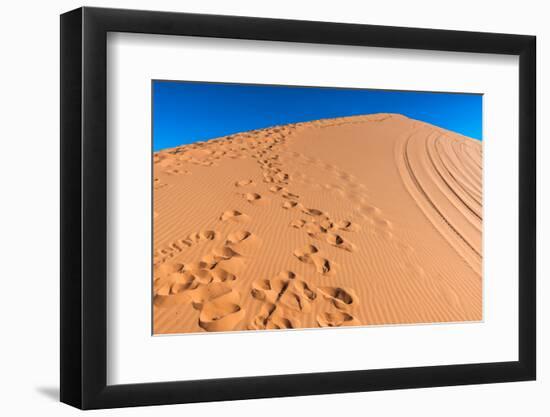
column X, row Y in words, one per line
column 363, row 220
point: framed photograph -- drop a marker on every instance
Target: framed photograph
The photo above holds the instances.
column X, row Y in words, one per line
column 257, row 208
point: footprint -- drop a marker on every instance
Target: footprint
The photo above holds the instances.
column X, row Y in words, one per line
column 165, row 276
column 309, row 255
column 254, row 198
column 346, row 177
column 273, row 318
column 225, row 258
column 196, row 280
column 298, row 224
column 177, row 171
column 305, row 253
column 157, row 184
column 356, row 198
column 234, row 265
column 289, row 204
column 346, row 226
column 202, row 236
column 237, row 237
column 322, row 265
column 369, row 210
column 219, row 306
column 339, row 242
column 207, row 262
column 289, row 195
column 215, row 290
column 168, row 268
column 383, row 223
column 221, row 275
column 314, row 230
column 243, row 241
column 283, row 298
column 326, row 224
column 187, row 281
column 259, row 288
column 234, row 215
column 224, row 253
column 335, row 319
column 281, row 177
column 173, row 249
column 343, row 299
column 287, row 275
column 312, row 212
column 220, row 316
column 276, row 188
column 298, row 297
column 303, row 289
column 244, row 183
column 202, row 276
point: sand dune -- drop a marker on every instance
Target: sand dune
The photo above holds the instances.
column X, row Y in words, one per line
column 364, row 220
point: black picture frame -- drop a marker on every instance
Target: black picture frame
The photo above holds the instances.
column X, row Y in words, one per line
column 84, row 207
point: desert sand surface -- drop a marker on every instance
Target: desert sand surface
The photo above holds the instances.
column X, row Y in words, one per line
column 363, row 220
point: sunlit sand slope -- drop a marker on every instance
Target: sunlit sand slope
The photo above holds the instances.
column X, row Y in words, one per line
column 364, row 220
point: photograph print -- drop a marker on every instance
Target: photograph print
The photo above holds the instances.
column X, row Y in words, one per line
column 299, row 207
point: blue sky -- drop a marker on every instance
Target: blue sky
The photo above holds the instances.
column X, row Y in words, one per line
column 187, row 112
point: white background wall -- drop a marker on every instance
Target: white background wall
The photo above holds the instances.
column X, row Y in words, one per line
column 29, row 225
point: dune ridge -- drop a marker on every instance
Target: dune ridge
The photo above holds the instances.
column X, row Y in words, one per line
column 362, row 220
